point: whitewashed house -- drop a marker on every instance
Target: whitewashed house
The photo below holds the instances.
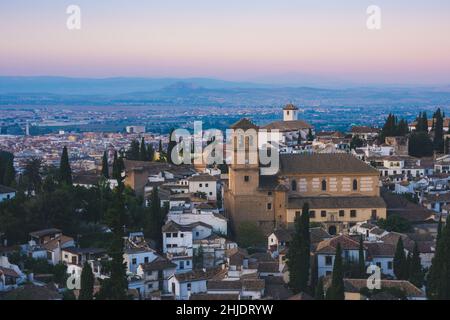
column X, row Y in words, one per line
column 204, row 183
column 182, row 285
column 156, row 275
column 326, row 253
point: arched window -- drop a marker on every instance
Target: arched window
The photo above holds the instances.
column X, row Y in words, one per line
column 294, row 185
column 355, row 184
column 324, row 185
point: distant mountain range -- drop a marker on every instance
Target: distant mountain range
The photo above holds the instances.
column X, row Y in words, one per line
column 203, row 91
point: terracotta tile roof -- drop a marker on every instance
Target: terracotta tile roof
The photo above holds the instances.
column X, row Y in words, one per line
column 44, row 232
column 329, row 246
column 53, row 244
column 202, row 177
column 355, row 285
column 398, row 205
column 380, row 249
column 245, row 124
column 318, row 234
column 324, row 163
column 9, row 272
column 268, row 266
column 197, row 275
column 283, row 126
column 283, row 234
column 159, row 263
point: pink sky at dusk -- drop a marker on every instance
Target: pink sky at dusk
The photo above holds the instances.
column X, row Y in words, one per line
column 258, row 40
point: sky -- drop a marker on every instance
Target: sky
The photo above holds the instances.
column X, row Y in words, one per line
column 272, row 41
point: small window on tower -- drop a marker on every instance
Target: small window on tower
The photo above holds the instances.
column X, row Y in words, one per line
column 246, row 178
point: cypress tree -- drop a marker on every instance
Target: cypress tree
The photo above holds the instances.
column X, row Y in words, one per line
column 424, row 122
column 116, row 286
column 310, row 135
column 439, row 229
column 438, row 280
column 361, row 258
column 400, row 263
column 10, row 173
column 438, row 141
column 117, row 168
column 105, row 168
column 143, row 151
column 65, row 173
column 87, row 283
column 133, row 152
column 155, row 219
column 298, row 257
column 415, row 271
column 336, row 291
column 402, row 128
column 420, row 145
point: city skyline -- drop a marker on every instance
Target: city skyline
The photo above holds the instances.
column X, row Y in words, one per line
column 288, row 42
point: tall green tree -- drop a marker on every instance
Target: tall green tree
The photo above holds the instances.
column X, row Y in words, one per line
column 420, row 145
column 310, row 136
column 118, row 167
column 105, row 167
column 336, row 291
column 402, row 127
column 400, row 263
column 116, row 286
column 9, row 177
column 87, row 283
column 32, row 175
column 416, row 275
column 134, row 152
column 438, row 140
column 155, row 219
column 65, row 173
column 438, row 280
column 422, row 122
column 143, row 151
column 298, row 257
column 356, row 142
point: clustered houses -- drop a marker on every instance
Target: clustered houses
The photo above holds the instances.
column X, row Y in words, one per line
column 347, row 192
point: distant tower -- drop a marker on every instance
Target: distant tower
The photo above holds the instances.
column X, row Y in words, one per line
column 27, row 129
column 290, row 112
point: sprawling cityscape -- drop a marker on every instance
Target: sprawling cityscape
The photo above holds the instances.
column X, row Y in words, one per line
column 326, row 190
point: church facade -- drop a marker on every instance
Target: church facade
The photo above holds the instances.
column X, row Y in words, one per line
column 339, row 189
